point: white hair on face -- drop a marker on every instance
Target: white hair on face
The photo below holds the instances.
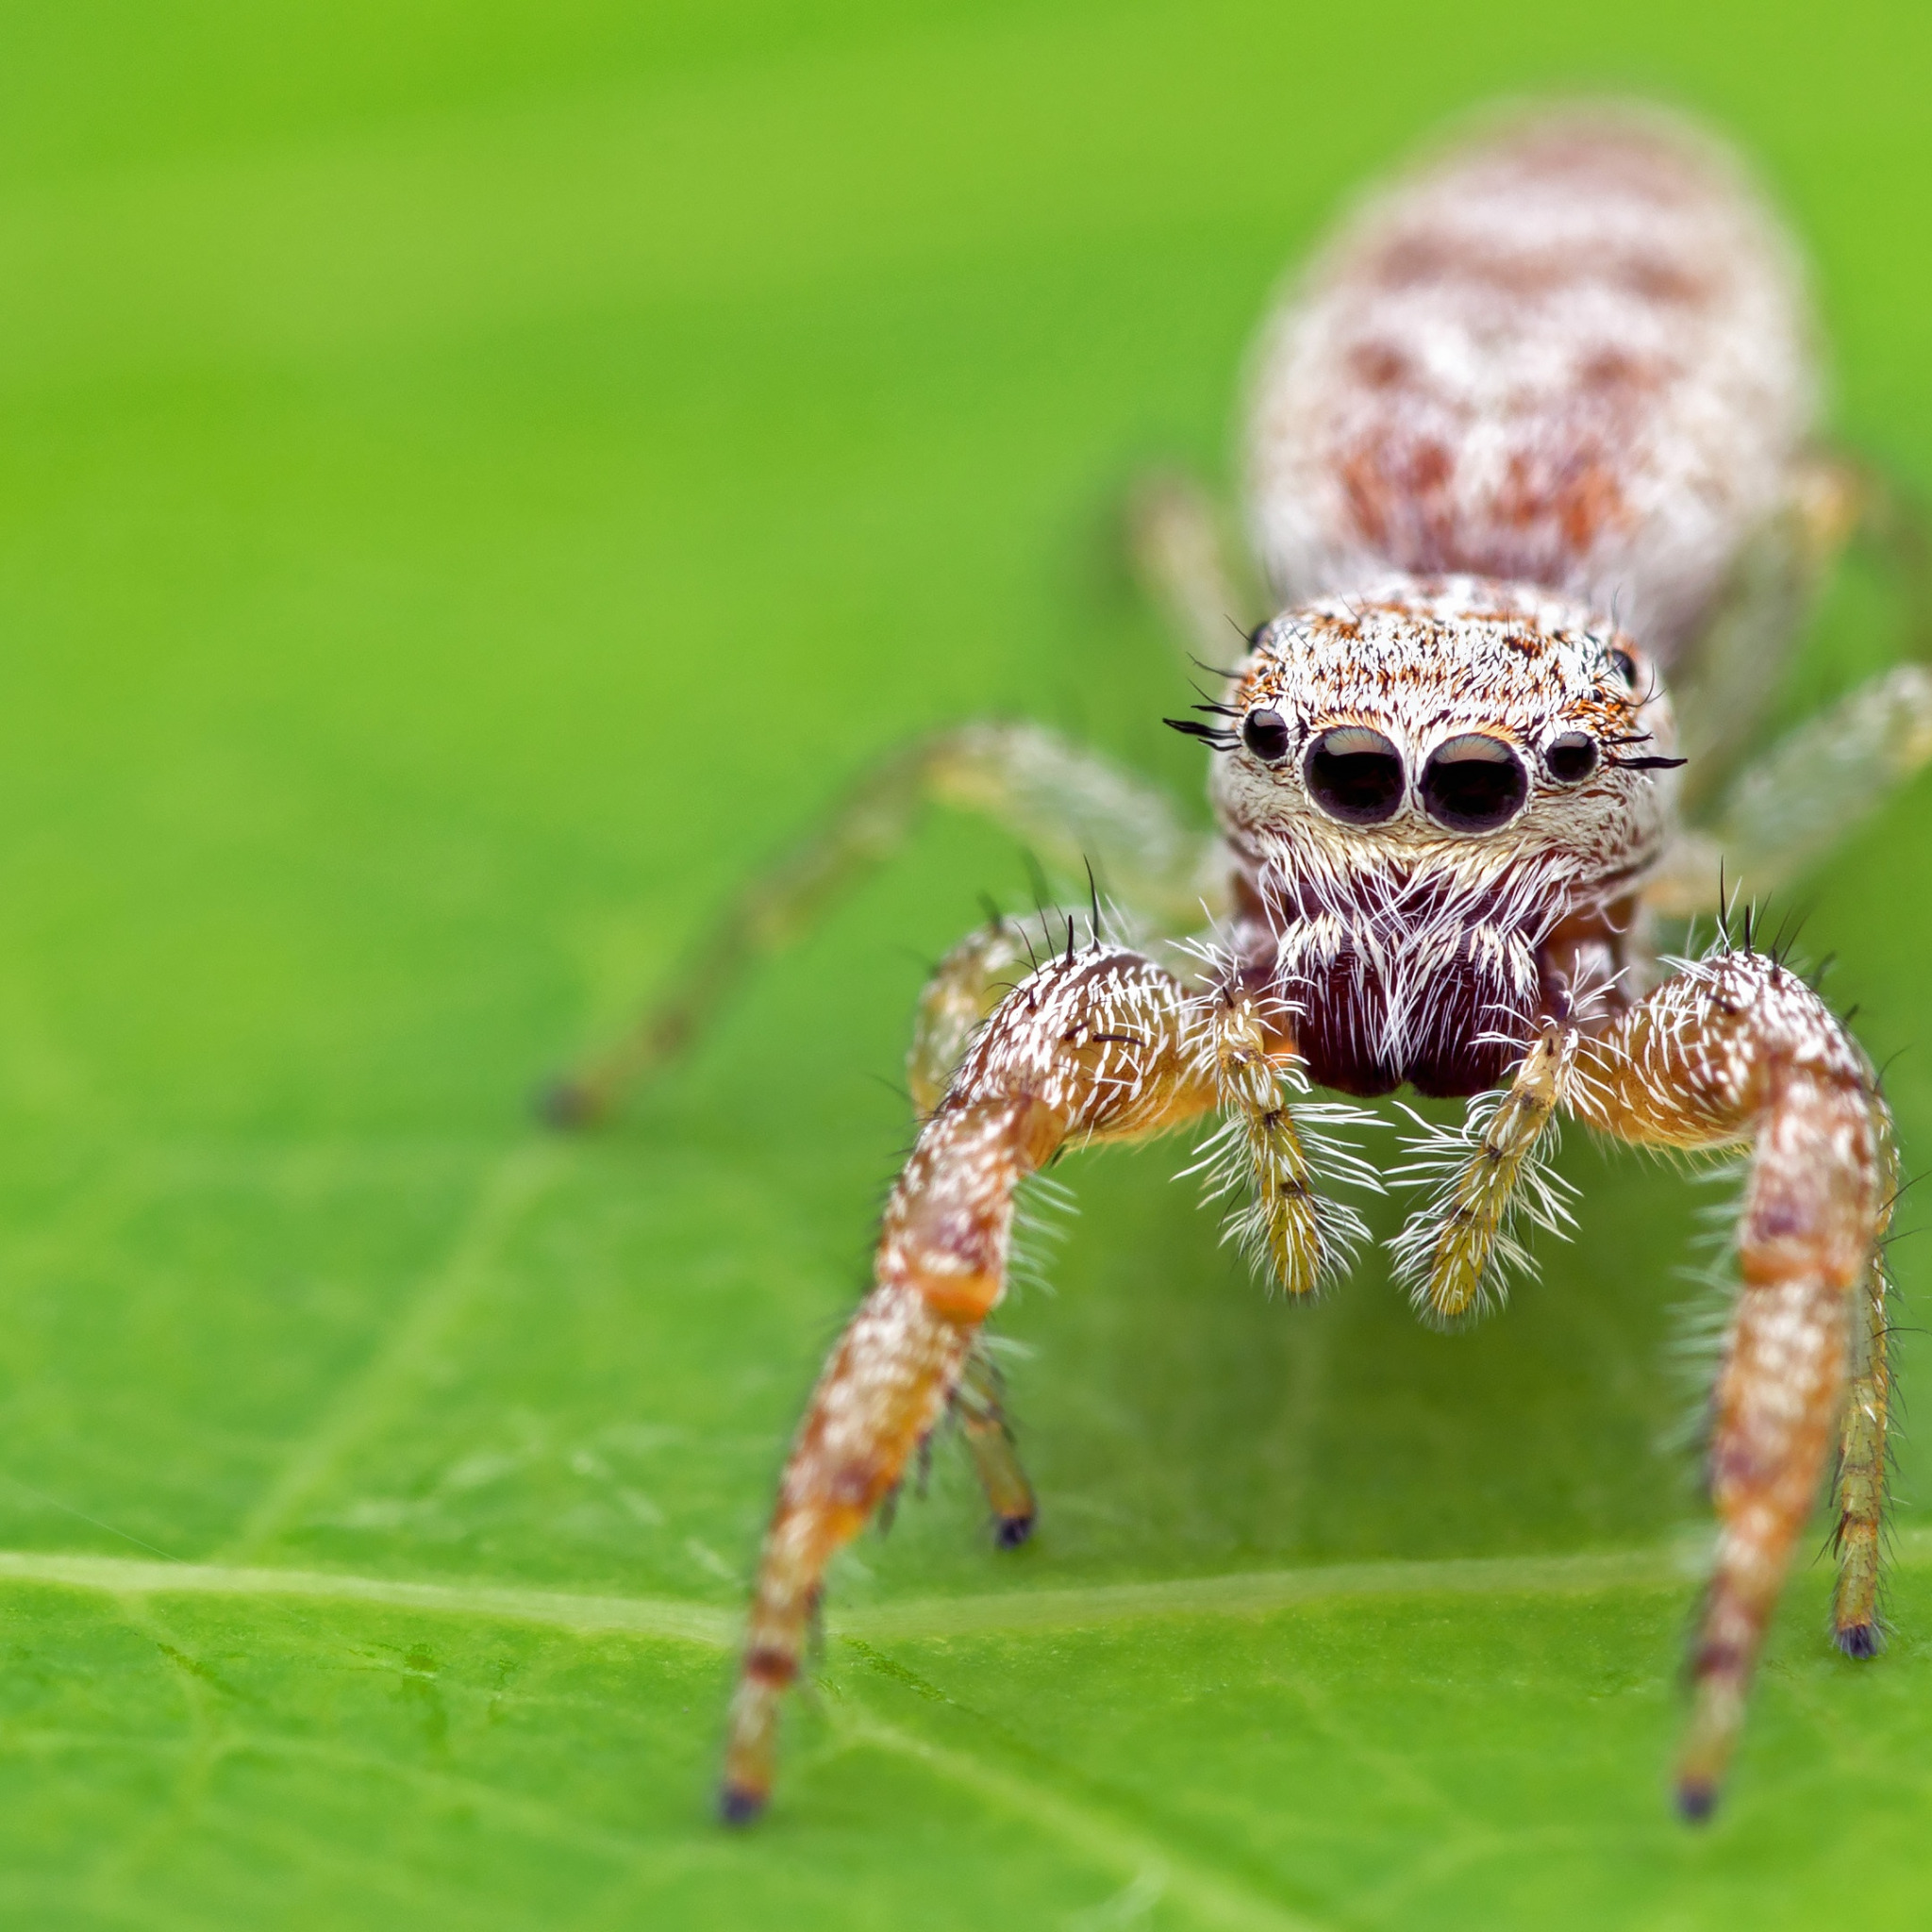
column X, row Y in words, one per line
column 1422, row 662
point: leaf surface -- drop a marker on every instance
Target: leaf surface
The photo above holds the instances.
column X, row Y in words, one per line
column 476, row 480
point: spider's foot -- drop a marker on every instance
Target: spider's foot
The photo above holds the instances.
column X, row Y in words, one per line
column 1001, row 1477
column 1009, row 1532
column 1696, row 1799
column 1859, row 1641
column 568, row 1104
column 739, row 1805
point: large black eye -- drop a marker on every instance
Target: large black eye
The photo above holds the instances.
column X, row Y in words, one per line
column 1265, row 734
column 1571, row 757
column 1355, row 775
column 1473, row 783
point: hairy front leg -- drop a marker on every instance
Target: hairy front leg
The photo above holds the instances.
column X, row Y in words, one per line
column 1070, row 809
column 1738, row 1049
column 1098, row 1044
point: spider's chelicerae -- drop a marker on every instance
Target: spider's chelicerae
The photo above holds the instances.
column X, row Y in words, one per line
column 1533, row 440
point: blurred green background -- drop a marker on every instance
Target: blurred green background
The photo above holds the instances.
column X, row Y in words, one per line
column 473, row 478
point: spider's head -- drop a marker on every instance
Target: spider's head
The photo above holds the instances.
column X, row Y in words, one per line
column 1454, row 726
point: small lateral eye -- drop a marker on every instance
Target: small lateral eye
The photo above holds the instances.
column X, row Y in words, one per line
column 1571, row 757
column 1623, row 664
column 1265, row 733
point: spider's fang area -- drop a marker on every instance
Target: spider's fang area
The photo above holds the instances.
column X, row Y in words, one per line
column 1859, row 1641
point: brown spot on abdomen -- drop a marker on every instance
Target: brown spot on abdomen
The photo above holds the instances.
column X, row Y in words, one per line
column 1573, row 354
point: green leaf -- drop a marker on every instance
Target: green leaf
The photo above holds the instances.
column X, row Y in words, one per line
column 474, row 480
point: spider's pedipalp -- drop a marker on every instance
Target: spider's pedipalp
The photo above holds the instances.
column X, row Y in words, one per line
column 1457, row 1252
column 1273, row 1147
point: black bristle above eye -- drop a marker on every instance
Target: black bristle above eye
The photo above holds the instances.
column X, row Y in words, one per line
column 1214, row 670
column 1214, row 734
column 1647, row 764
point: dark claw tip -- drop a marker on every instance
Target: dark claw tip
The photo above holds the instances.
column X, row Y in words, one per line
column 1012, row 1531
column 1696, row 1800
column 1859, row 1641
column 739, row 1807
column 565, row 1104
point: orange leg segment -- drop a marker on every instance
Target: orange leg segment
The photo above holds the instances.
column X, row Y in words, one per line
column 1099, row 1044
column 1734, row 1049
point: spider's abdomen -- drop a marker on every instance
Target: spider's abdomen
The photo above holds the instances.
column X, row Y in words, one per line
column 1573, row 354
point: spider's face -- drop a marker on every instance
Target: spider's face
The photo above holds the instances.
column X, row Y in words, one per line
column 1454, row 726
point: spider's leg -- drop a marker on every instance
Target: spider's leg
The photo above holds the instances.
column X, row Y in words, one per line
column 1069, row 806
column 1892, row 520
column 968, row 985
column 1738, row 1048
column 1455, row 1248
column 1854, row 1621
column 1805, row 795
column 1175, row 548
column 983, row 1416
column 1726, row 677
column 1097, row 1044
column 1765, row 823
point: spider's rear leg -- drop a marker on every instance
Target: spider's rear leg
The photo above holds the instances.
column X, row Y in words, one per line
column 1098, row 1044
column 1764, row 825
column 1176, row 549
column 1738, row 1048
column 1069, row 806
column 1727, row 675
column 1803, row 797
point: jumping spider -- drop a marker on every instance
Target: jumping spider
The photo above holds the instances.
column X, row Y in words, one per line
column 1536, row 431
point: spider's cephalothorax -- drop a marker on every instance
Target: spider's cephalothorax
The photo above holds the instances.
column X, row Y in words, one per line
column 1535, row 434
column 1440, row 798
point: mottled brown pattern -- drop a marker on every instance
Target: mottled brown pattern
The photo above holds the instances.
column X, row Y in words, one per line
column 1574, row 356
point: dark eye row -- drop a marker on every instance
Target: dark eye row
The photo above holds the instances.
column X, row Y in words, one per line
column 1472, row 783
